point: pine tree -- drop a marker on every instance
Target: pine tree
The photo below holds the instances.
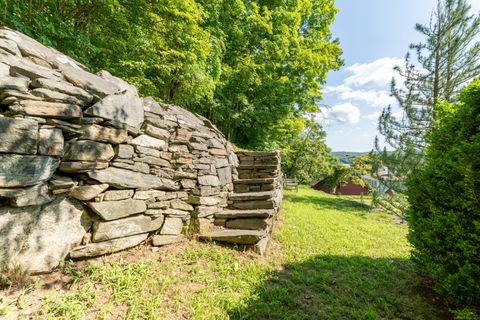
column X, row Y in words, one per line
column 446, row 62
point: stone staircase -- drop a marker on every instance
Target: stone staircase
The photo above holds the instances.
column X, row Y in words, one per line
column 252, row 207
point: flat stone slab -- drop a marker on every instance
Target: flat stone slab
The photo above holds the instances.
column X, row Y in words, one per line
column 107, row 247
column 25, row 170
column 121, row 178
column 255, row 181
column 230, row 214
column 81, row 166
column 87, row 150
column 111, row 210
column 149, row 142
column 114, row 195
column 108, row 230
column 88, row 192
column 124, row 151
column 18, row 135
column 247, row 223
column 162, row 240
column 209, row 180
column 29, row 196
column 125, row 108
column 156, row 132
column 257, row 166
column 235, row 236
column 55, row 96
column 254, row 204
column 45, row 109
column 104, row 134
column 90, row 82
column 262, row 195
column 63, row 87
column 172, row 226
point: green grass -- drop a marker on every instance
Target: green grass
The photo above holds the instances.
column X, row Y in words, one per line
column 331, row 258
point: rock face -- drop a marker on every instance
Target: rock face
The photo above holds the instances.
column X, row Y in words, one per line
column 88, row 167
column 86, row 150
column 122, row 178
column 38, row 239
column 50, row 141
column 20, row 171
column 125, row 108
column 125, row 227
column 106, row 247
column 18, row 135
column 112, row 210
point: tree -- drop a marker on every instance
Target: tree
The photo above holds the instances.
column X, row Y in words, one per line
column 447, row 60
column 443, row 195
column 275, row 57
column 249, row 66
column 305, row 154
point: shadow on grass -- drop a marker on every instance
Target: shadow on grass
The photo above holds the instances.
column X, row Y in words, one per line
column 337, row 287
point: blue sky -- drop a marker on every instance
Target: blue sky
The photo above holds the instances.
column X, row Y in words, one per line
column 374, row 36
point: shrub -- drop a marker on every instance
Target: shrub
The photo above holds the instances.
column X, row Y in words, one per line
column 444, row 196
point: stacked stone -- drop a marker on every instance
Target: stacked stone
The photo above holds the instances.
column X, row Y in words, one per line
column 253, row 206
column 88, row 167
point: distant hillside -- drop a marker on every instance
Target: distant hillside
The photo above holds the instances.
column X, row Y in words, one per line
column 346, row 156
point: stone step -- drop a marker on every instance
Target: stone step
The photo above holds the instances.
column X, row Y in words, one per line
column 254, row 204
column 257, row 154
column 247, row 224
column 235, row 236
column 255, row 181
column 248, row 166
column 246, row 196
column 258, row 213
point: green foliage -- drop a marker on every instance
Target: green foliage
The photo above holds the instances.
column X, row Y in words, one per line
column 339, row 176
column 249, row 66
column 444, row 197
column 305, row 155
column 361, row 165
column 447, row 59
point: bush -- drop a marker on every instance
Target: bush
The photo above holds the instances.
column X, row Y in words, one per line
column 445, row 201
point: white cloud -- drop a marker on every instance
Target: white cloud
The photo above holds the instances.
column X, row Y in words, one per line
column 345, row 113
column 375, row 98
column 475, row 6
column 373, row 116
column 379, row 72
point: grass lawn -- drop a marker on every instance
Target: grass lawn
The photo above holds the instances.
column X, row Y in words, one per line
column 331, row 258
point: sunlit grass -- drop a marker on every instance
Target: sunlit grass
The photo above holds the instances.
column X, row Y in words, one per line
column 331, row 258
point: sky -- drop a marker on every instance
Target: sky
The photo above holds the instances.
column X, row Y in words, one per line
column 375, row 36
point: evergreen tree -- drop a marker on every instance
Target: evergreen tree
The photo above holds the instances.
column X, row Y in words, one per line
column 447, row 61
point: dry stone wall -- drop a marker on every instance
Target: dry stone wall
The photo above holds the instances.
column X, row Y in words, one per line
column 87, row 167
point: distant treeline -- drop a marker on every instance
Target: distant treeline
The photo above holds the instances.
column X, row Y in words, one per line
column 346, row 157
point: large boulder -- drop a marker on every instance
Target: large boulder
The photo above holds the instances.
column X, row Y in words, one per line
column 39, row 239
